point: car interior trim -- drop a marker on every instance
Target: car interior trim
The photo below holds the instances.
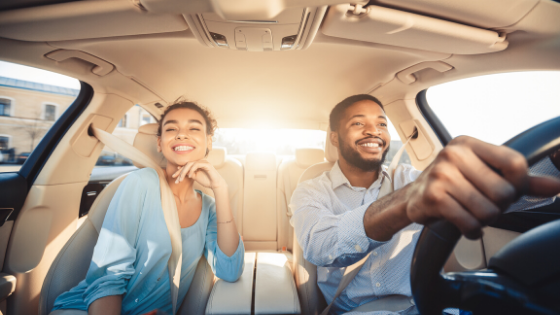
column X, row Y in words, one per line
column 37, row 159
column 434, row 122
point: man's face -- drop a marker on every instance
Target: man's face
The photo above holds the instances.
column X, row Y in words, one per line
column 363, row 138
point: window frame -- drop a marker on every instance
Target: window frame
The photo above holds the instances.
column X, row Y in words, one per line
column 12, row 107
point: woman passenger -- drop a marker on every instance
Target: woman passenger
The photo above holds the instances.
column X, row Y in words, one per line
column 128, row 272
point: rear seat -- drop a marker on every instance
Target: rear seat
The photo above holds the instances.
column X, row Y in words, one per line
column 259, row 203
column 288, row 175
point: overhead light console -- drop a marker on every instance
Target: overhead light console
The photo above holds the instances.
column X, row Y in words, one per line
column 292, row 29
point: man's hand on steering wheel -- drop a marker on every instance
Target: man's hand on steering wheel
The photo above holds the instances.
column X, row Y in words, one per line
column 471, row 183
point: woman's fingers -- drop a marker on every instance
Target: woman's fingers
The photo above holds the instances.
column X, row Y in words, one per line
column 183, row 172
column 177, row 172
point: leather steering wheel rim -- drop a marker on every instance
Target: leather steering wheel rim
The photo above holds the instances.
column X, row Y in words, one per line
column 433, row 291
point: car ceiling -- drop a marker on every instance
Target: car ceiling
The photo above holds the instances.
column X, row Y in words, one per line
column 161, row 60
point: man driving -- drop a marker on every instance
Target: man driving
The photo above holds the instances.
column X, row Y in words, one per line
column 339, row 219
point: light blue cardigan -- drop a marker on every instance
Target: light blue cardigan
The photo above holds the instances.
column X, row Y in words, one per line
column 133, row 248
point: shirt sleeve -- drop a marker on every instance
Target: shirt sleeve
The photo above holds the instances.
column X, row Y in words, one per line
column 112, row 264
column 544, row 167
column 327, row 239
column 228, row 268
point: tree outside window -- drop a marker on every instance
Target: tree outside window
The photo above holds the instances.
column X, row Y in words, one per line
column 50, row 112
column 5, row 107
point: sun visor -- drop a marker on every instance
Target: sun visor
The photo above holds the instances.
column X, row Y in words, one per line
column 386, row 26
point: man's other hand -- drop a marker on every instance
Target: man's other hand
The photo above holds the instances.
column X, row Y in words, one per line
column 460, row 185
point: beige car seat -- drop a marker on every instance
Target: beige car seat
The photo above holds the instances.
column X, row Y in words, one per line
column 289, row 172
column 312, row 300
column 72, row 263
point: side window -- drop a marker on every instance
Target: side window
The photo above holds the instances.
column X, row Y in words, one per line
column 494, row 108
column 31, row 100
column 146, row 118
column 126, row 130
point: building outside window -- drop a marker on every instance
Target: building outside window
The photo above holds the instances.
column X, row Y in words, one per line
column 50, row 112
column 5, row 107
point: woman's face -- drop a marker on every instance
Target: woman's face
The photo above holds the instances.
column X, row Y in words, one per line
column 183, row 137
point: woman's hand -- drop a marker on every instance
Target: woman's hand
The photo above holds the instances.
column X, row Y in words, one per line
column 202, row 172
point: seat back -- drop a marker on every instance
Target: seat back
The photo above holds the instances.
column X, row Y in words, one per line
column 289, row 172
column 72, row 262
column 312, row 300
column 259, row 201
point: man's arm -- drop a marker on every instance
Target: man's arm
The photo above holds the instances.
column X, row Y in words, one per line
column 459, row 186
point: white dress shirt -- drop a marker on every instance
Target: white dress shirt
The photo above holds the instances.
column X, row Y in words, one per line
column 328, row 220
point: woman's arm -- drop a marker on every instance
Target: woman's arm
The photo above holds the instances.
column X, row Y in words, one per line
column 205, row 174
column 228, row 237
column 108, row 305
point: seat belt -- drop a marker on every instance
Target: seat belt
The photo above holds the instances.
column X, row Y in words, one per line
column 351, row 271
column 167, row 204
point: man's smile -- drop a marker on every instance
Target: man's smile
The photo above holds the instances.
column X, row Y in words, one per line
column 371, row 145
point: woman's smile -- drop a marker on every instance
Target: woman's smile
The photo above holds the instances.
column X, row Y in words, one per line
column 182, row 148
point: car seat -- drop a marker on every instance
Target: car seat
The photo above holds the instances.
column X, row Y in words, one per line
column 311, row 297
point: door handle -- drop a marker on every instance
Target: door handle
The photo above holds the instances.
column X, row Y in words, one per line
column 101, row 67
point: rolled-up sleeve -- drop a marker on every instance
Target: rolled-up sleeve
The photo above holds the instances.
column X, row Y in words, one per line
column 228, row 268
column 328, row 239
column 112, row 264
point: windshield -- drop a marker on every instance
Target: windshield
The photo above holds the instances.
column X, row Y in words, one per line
column 495, row 108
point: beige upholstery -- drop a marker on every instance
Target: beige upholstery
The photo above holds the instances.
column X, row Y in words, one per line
column 234, row 297
column 289, row 172
column 312, row 300
column 259, row 202
column 146, row 141
column 275, row 291
column 72, row 262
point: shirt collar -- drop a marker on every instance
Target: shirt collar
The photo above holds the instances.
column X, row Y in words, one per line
column 338, row 179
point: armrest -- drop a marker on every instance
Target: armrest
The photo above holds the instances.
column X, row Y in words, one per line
column 7, row 285
column 233, row 297
column 275, row 289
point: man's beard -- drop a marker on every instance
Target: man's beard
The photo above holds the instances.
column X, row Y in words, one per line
column 354, row 158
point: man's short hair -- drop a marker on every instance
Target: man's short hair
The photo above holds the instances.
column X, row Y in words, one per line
column 338, row 111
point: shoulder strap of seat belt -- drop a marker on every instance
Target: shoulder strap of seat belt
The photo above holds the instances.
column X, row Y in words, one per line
column 386, row 188
column 167, row 204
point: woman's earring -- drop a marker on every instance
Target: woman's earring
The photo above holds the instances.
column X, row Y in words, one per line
column 207, row 151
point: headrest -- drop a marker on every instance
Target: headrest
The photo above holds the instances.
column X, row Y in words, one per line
column 146, row 141
column 306, row 157
column 331, row 152
column 217, row 157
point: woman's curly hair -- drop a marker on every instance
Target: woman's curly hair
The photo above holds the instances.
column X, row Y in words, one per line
column 211, row 124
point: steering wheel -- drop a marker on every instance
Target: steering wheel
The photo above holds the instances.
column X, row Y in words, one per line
column 522, row 278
